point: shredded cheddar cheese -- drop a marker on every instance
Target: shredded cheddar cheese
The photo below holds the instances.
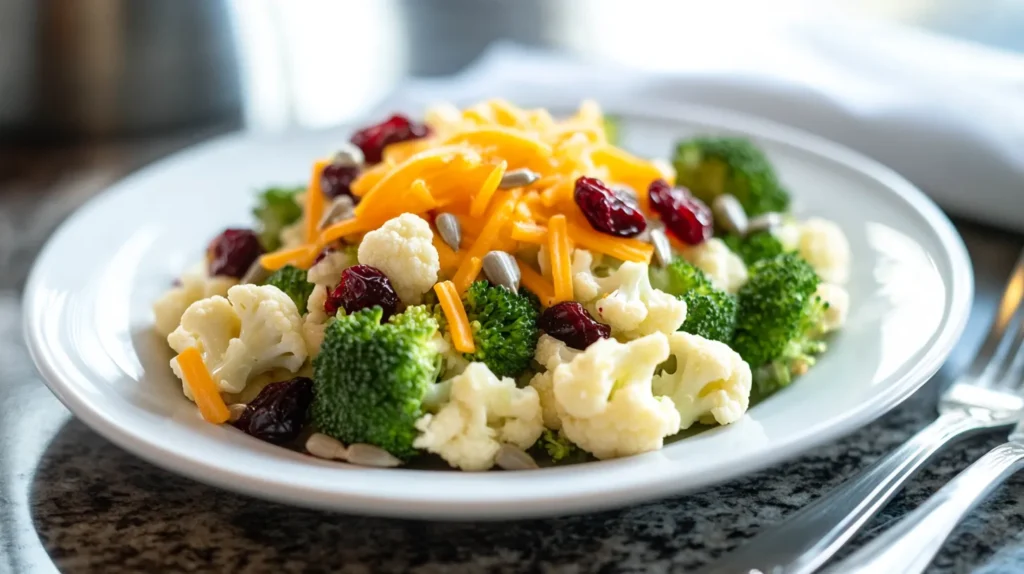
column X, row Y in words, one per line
column 455, row 313
column 315, row 202
column 204, row 389
column 536, row 283
column 558, row 252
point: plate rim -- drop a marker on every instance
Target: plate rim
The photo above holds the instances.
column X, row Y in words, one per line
column 656, row 488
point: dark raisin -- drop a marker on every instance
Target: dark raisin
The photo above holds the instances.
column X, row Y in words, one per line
column 232, row 252
column 570, row 323
column 336, row 179
column 279, row 412
column 605, row 211
column 362, row 287
column 397, row 128
column 687, row 218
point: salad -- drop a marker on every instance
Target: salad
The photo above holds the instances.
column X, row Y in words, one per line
column 495, row 287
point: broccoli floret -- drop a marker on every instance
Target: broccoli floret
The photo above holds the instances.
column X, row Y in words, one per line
column 504, row 328
column 755, row 247
column 779, row 319
column 710, row 312
column 292, row 281
column 371, row 379
column 710, row 166
column 557, row 445
column 275, row 210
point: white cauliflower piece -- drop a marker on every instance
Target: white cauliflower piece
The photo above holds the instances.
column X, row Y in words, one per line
column 315, row 322
column 328, row 270
column 604, row 398
column 710, row 382
column 482, row 413
column 724, row 268
column 838, row 305
column 585, row 284
column 544, row 262
column 294, row 235
column 194, row 285
column 823, row 244
column 550, row 353
column 788, row 235
column 254, row 330
column 402, row 250
column 634, row 308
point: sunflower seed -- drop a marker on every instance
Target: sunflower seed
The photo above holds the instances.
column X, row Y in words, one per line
column 662, row 247
column 323, row 446
column 730, row 214
column 502, row 269
column 341, row 209
column 764, row 222
column 369, row 455
column 348, row 155
column 235, row 411
column 256, row 274
column 514, row 458
column 518, row 178
column 450, row 229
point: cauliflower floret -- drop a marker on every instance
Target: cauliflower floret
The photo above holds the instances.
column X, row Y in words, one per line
column 585, row 284
column 328, row 270
column 315, row 322
column 403, row 250
column 604, row 398
column 550, row 353
column 824, row 246
column 710, row 382
column 254, row 330
column 788, row 235
column 294, row 235
column 482, row 413
column 724, row 268
column 194, row 285
column 634, row 308
column 838, row 305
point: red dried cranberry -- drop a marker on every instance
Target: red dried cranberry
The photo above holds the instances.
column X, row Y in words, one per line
column 232, row 252
column 336, row 179
column 685, row 216
column 605, row 211
column 397, row 128
column 278, row 413
column 323, row 253
column 362, row 287
column 570, row 323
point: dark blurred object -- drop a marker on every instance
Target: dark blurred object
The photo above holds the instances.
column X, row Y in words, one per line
column 85, row 69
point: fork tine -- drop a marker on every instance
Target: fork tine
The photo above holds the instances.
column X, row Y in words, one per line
column 1004, row 332
column 1014, row 371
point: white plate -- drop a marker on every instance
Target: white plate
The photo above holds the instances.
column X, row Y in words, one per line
column 88, row 326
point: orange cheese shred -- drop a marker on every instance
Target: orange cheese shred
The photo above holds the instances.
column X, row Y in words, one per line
column 314, row 202
column 500, row 214
column 483, row 197
column 370, row 178
column 462, row 281
column 449, row 259
column 529, row 233
column 618, row 247
column 295, row 255
column 558, row 254
column 204, row 389
column 342, row 229
column 458, row 322
column 536, row 283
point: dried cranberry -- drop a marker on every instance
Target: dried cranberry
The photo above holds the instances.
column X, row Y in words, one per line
column 336, row 179
column 323, row 253
column 397, row 128
column 362, row 287
column 570, row 323
column 685, row 216
column 232, row 252
column 605, row 211
column 278, row 413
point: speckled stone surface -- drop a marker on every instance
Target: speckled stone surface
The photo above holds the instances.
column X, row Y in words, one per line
column 71, row 501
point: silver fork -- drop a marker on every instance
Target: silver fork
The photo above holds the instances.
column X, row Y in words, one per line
column 985, row 397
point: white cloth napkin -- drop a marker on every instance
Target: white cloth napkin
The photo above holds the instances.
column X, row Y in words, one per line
column 947, row 115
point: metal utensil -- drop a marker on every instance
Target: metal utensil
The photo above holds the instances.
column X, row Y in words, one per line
column 984, row 397
column 910, row 546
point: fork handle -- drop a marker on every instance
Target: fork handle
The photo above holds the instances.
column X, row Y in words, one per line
column 910, row 545
column 808, row 538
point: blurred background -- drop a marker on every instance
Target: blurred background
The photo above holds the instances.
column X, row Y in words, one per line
column 109, row 69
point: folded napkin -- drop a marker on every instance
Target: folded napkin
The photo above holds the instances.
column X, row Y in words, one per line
column 947, row 115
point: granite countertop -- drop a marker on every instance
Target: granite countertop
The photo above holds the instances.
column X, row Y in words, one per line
column 72, row 501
